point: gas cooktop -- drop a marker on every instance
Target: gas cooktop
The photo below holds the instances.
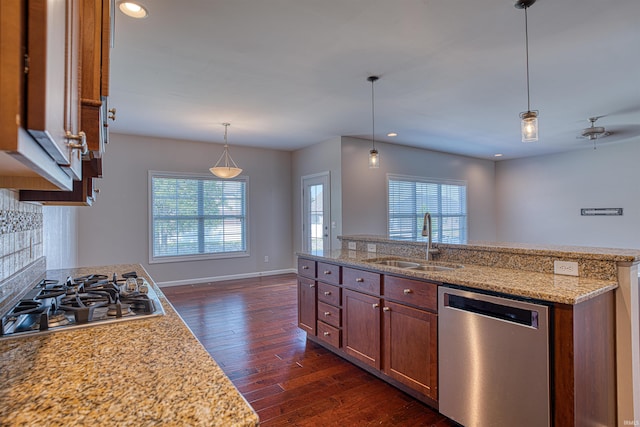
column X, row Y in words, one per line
column 80, row 302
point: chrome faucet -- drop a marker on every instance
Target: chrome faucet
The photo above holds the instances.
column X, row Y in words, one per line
column 426, row 232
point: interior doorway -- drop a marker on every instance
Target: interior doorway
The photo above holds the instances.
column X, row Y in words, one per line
column 316, row 213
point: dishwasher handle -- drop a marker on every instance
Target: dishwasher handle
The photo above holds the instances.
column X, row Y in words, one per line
column 503, row 312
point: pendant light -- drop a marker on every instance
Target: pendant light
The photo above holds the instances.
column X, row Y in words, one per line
column 374, row 157
column 529, row 119
column 228, row 168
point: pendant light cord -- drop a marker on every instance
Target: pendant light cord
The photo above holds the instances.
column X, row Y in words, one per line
column 526, row 40
column 373, row 115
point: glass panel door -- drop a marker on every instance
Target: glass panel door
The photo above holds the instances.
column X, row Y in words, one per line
column 316, row 213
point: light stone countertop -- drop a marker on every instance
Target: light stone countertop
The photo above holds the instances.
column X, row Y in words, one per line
column 526, row 284
column 143, row 372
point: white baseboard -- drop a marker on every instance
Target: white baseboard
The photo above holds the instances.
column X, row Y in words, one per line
column 221, row 278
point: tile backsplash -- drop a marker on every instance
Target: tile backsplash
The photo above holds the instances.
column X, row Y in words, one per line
column 21, row 243
column 20, row 233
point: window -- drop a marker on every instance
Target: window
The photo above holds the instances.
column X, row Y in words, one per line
column 196, row 217
column 410, row 197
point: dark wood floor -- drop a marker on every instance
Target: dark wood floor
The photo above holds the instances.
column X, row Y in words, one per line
column 250, row 328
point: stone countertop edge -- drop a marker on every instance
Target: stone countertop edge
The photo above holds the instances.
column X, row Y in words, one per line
column 561, row 251
column 143, row 372
column 526, row 284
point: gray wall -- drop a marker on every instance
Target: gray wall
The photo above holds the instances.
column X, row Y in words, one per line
column 364, row 203
column 115, row 229
column 322, row 157
column 539, row 198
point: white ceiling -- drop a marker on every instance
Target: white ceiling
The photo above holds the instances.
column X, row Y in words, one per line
column 290, row 73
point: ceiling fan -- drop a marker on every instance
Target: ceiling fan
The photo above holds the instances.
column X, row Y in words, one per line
column 594, row 132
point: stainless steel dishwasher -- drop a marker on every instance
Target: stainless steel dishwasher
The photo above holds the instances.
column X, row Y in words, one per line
column 493, row 360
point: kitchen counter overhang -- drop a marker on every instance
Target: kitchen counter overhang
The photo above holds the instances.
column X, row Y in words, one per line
column 148, row 371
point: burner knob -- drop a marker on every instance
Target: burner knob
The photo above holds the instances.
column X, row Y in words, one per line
column 143, row 286
column 131, row 285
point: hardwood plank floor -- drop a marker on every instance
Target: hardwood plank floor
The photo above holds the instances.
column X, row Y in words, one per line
column 250, row 328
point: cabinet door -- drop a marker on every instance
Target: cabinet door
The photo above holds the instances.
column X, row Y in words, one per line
column 307, row 305
column 53, row 99
column 23, row 162
column 361, row 330
column 96, row 37
column 411, row 347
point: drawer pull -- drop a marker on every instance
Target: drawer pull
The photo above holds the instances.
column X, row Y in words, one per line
column 327, row 313
column 375, row 305
column 327, row 293
column 305, row 267
column 312, row 285
column 327, row 272
column 326, row 334
column 407, row 291
column 359, row 279
column 386, row 309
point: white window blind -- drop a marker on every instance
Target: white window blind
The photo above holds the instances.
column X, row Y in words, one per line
column 410, row 197
column 196, row 217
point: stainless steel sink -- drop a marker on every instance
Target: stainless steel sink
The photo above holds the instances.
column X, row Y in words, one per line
column 398, row 263
column 434, row 268
column 410, row 265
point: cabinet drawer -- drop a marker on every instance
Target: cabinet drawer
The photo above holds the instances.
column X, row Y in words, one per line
column 307, row 268
column 414, row 292
column 359, row 280
column 329, row 334
column 329, row 314
column 328, row 293
column 329, row 273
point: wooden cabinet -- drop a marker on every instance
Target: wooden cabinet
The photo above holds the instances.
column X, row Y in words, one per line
column 329, row 273
column 307, row 305
column 39, row 63
column 329, row 304
column 360, row 280
column 362, row 327
column 96, row 42
column 411, row 347
column 410, row 323
column 387, row 325
column 53, row 58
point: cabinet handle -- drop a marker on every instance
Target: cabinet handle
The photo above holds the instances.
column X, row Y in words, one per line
column 327, row 272
column 375, row 305
column 386, row 309
column 327, row 313
column 359, row 280
column 82, row 146
column 327, row 293
column 312, row 285
column 326, row 334
column 112, row 114
column 407, row 291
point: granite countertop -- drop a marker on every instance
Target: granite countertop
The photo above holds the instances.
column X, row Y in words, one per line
column 147, row 371
column 527, row 284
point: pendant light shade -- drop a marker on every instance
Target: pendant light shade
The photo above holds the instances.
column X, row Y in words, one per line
column 528, row 119
column 225, row 166
column 374, row 156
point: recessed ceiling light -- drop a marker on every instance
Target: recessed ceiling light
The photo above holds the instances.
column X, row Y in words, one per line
column 392, row 134
column 133, row 9
column 497, row 155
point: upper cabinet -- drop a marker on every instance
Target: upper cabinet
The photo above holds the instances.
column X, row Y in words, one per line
column 39, row 59
column 54, row 61
column 96, row 41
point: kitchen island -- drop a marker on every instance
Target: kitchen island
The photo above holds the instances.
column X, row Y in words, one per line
column 147, row 371
column 592, row 343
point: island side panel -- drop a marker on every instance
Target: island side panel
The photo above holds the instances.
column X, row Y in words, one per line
column 584, row 363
